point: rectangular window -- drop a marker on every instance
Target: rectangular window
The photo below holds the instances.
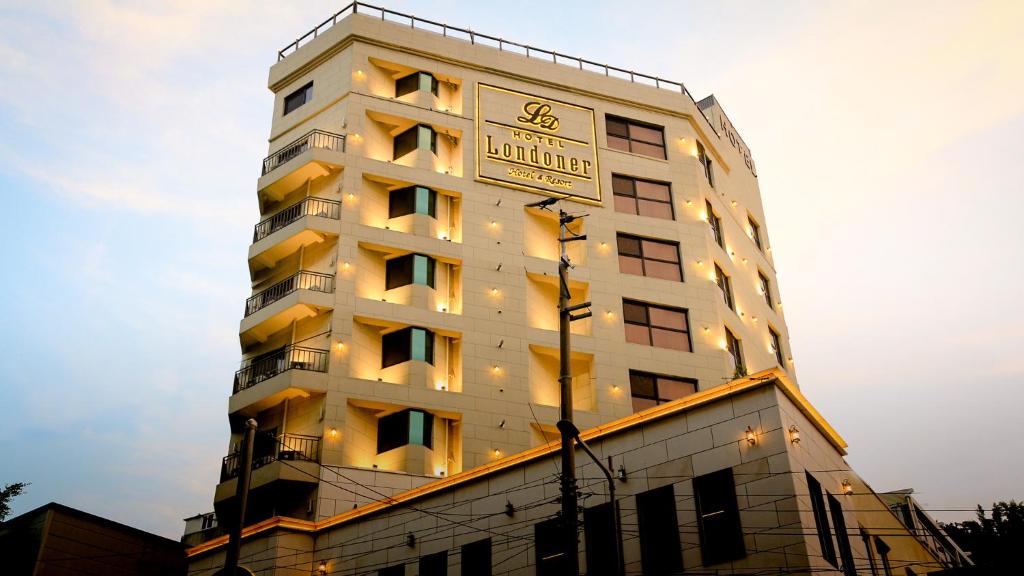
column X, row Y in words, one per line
column 412, row 200
column 404, row 428
column 642, row 197
column 417, row 81
column 550, row 560
column 883, row 553
column 435, row 564
column 766, row 288
column 298, row 98
column 828, row 549
column 842, row 536
column 653, row 325
column 635, row 137
column 476, row 558
column 870, row 550
column 705, row 162
column 651, row 258
column 776, row 345
column 660, row 552
column 397, row 570
column 409, row 269
column 732, row 344
column 599, row 530
column 755, row 232
column 718, row 518
column 420, row 136
column 407, row 344
column 652, row 389
column 715, row 223
column 725, row 287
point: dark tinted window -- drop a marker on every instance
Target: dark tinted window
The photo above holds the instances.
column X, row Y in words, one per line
column 407, row 344
column 415, row 82
column 755, row 232
column 651, row 389
column 412, row 200
column 435, row 564
column 550, row 558
column 660, row 552
column 599, row 530
column 476, row 558
column 298, row 98
column 725, row 287
column 410, row 269
column 642, row 197
column 705, row 162
column 842, row 536
column 647, row 257
column 715, row 223
column 718, row 518
column 419, row 136
column 636, row 137
column 653, row 325
column 828, row 549
column 776, row 345
column 732, row 344
column 405, row 427
column 398, row 570
column 766, row 288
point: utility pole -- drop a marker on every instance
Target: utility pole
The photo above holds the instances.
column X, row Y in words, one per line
column 241, row 498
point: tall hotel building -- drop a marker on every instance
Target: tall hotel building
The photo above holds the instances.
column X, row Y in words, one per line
column 402, row 331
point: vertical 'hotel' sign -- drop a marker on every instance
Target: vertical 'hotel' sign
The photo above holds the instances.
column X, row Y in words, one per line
column 536, row 144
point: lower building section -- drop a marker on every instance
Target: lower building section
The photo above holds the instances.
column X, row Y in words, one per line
column 743, row 478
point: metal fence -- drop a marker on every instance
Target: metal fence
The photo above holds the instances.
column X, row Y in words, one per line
column 314, row 281
column 312, row 139
column 306, row 207
column 290, row 447
column 288, row 358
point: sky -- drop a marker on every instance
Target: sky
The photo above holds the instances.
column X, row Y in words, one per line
column 888, row 139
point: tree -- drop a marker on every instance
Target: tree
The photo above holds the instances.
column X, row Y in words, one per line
column 10, row 492
column 992, row 542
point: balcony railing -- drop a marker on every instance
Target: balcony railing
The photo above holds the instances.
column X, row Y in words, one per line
column 306, row 207
column 302, row 281
column 289, row 447
column 312, row 139
column 279, row 361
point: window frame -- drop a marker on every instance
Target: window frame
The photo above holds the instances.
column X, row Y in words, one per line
column 405, row 200
column 611, row 118
column 766, row 288
column 842, row 536
column 643, row 259
column 404, row 419
column 305, row 93
column 405, row 350
column 406, row 263
column 401, row 138
column 656, row 395
column 418, row 83
column 821, row 523
column 706, row 164
column 635, row 196
column 660, row 549
column 715, row 223
column 650, row 327
column 720, row 529
column 777, row 345
column 755, row 232
column 724, row 282
column 734, row 346
column 600, row 539
column 473, row 555
column 547, row 541
column 435, row 564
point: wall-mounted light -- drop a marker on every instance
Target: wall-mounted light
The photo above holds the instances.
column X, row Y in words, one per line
column 321, row 569
column 334, row 432
column 609, row 314
column 494, row 291
column 496, row 369
column 733, row 203
column 351, row 196
column 689, row 202
column 700, row 262
column 751, row 436
column 502, row 423
column 615, row 388
column 794, row 434
column 494, row 223
column 847, row 487
column 754, row 318
column 346, row 265
column 707, row 329
column 621, row 475
column 744, row 260
column 497, row 453
column 340, row 345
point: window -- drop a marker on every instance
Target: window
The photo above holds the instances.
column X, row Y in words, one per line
column 551, row 560
column 705, row 162
column 766, row 288
column 397, row 570
column 655, row 325
column 476, row 558
column 599, row 530
column 407, row 344
column 642, row 197
column 716, row 225
column 435, row 564
column 871, row 552
column 417, row 81
column 842, row 536
column 412, row 200
column 718, row 518
column 883, row 553
column 755, row 232
column 420, row 136
column 646, row 257
column 660, row 552
column 404, row 428
column 776, row 345
column 298, row 98
column 828, row 550
column 636, row 137
column 410, row 269
column 651, row 389
column 732, row 344
column 725, row 286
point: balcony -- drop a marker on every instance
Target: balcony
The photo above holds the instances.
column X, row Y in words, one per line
column 286, row 457
column 289, row 372
column 309, row 221
column 299, row 296
column 312, row 155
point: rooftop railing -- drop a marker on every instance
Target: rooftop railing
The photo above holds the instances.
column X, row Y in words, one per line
column 485, row 40
column 314, row 281
column 311, row 139
column 289, row 447
column 279, row 361
column 309, row 206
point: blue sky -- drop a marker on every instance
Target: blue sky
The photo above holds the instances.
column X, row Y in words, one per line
column 888, row 140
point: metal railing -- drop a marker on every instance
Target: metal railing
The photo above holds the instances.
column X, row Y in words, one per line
column 284, row 447
column 279, row 361
column 485, row 40
column 306, row 207
column 311, row 139
column 314, row 281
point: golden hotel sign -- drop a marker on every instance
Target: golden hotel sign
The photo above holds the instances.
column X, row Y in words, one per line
column 536, row 144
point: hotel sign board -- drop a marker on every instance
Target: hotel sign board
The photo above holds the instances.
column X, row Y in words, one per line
column 536, row 144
